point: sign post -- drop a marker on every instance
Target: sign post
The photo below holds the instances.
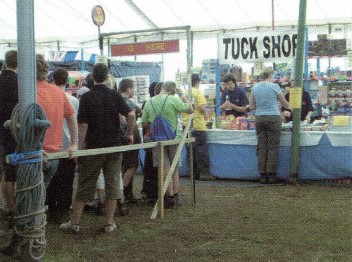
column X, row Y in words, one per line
column 98, row 17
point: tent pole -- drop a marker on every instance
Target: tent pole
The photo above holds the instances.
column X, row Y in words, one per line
column 27, row 97
column 272, row 15
column 192, row 53
column 135, row 40
column 82, row 60
column 189, row 51
column 217, row 84
column 306, row 73
column 101, row 42
column 162, row 62
column 298, row 84
column 109, row 47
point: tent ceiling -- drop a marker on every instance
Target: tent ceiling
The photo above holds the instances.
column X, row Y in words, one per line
column 72, row 19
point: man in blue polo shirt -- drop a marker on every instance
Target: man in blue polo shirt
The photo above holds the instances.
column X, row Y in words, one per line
column 234, row 99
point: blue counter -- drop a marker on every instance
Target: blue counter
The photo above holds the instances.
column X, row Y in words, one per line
column 323, row 155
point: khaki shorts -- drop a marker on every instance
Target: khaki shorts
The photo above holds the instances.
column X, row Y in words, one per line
column 169, row 154
column 89, row 170
column 101, row 184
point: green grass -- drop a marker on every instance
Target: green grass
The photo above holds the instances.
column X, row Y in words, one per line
column 272, row 223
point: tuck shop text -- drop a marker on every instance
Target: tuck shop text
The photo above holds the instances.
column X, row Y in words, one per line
column 269, row 47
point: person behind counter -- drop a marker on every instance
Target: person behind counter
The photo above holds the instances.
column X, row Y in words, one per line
column 264, row 100
column 306, row 108
column 234, row 99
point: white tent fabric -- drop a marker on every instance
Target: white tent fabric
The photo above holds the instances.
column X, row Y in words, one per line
column 72, row 19
column 70, row 23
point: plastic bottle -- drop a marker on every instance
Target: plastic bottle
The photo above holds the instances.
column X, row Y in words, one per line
column 227, row 98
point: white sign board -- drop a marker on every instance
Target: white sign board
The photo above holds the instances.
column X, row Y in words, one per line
column 268, row 47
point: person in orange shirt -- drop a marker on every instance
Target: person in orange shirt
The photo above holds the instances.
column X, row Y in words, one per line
column 57, row 107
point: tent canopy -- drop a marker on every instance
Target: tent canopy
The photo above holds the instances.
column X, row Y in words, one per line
column 67, row 25
column 71, row 20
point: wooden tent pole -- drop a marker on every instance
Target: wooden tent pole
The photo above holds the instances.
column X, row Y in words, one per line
column 161, row 180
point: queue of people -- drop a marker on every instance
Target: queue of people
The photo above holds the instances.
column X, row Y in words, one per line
column 83, row 123
column 102, row 117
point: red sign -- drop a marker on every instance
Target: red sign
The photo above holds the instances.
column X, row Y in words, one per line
column 132, row 49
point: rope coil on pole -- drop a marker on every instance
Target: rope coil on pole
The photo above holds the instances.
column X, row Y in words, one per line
column 30, row 220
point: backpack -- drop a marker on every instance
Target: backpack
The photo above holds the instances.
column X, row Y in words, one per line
column 161, row 129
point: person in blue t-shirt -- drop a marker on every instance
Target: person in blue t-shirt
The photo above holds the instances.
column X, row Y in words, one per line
column 234, row 99
column 264, row 100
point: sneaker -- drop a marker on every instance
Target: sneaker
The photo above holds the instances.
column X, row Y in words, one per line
column 69, row 227
column 109, row 228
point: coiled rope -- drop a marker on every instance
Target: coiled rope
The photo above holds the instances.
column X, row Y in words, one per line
column 30, row 220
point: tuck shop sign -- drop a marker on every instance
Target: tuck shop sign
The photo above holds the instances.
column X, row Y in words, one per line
column 269, row 47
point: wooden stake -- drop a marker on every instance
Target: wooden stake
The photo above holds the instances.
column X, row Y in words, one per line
column 161, row 180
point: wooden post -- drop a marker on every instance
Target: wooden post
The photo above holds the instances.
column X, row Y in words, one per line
column 161, row 180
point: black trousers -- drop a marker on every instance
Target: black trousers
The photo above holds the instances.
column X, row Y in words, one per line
column 150, row 180
column 59, row 190
column 200, row 153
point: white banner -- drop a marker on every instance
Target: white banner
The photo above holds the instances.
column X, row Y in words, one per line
column 267, row 47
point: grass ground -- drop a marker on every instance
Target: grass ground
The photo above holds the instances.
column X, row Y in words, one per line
column 231, row 221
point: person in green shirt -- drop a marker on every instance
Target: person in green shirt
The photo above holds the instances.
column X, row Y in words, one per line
column 172, row 108
column 201, row 157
